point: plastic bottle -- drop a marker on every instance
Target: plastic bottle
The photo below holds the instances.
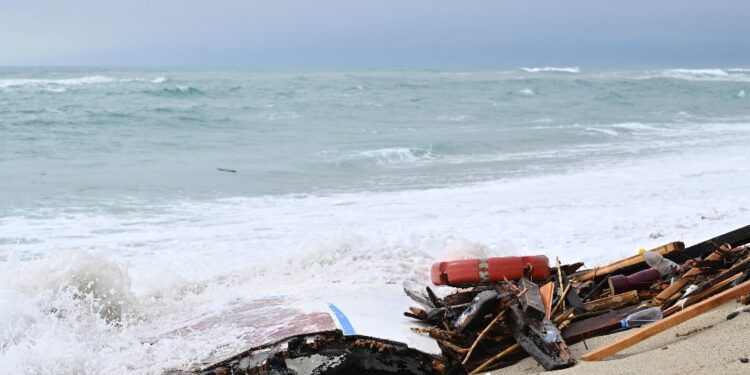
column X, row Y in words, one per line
column 642, row 317
column 665, row 266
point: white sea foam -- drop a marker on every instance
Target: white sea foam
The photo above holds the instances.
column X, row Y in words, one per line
column 544, row 120
column 202, row 256
column 741, row 94
column 553, row 69
column 602, row 130
column 289, row 115
column 452, row 118
column 527, row 92
column 57, row 82
column 159, row 80
column 709, row 75
column 89, row 80
column 395, row 155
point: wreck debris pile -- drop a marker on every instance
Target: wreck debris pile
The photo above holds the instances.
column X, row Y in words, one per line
column 496, row 318
column 490, row 313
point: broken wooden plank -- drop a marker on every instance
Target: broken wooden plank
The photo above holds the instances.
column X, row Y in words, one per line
column 595, row 326
column 628, row 265
column 531, row 302
column 541, row 339
column 460, row 297
column 419, row 297
column 572, row 296
column 613, row 302
column 666, row 323
column 737, row 268
column 570, row 268
column 546, row 293
column 734, row 238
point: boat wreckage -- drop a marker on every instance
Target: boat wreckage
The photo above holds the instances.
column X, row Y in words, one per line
column 488, row 314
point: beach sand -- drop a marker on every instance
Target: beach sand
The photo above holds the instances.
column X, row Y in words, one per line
column 714, row 350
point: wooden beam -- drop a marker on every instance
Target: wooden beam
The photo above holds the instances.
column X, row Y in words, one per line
column 613, row 302
column 666, row 323
column 672, row 249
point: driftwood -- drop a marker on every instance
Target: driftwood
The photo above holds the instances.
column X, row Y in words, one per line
column 666, row 323
column 613, row 302
column 628, row 265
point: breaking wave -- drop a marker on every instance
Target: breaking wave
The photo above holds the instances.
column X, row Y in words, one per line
column 396, row 155
column 729, row 75
column 452, row 118
column 554, row 69
column 178, row 91
column 89, row 80
column 57, row 83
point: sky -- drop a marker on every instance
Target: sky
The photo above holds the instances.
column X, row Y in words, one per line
column 374, row 33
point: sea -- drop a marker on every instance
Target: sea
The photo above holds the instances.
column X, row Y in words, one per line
column 133, row 198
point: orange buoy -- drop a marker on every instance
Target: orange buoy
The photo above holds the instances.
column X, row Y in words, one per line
column 472, row 271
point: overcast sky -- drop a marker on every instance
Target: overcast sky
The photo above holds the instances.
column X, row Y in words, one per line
column 375, row 32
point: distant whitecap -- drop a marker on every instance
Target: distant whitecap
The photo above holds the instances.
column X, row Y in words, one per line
column 553, row 69
column 452, row 118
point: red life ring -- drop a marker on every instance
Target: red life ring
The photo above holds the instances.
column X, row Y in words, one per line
column 472, row 271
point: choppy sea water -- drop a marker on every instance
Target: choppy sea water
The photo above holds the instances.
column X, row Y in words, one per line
column 116, row 222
